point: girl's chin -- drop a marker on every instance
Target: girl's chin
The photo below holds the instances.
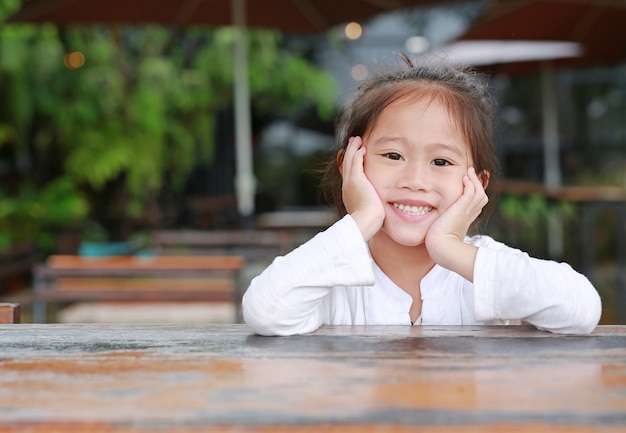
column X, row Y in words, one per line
column 407, row 238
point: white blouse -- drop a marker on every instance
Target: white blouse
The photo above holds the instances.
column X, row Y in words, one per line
column 332, row 279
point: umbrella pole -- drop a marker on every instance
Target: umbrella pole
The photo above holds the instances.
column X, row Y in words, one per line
column 551, row 152
column 245, row 183
column 552, row 166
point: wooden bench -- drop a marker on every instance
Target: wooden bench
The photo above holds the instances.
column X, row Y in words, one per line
column 310, row 220
column 9, row 313
column 253, row 245
column 71, row 278
column 301, row 225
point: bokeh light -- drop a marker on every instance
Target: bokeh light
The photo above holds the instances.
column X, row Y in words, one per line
column 416, row 44
column 359, row 72
column 353, row 30
column 74, row 60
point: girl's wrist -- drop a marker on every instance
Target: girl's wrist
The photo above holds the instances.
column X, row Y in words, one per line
column 456, row 256
column 368, row 223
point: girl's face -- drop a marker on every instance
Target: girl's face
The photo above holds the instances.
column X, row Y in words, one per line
column 416, row 159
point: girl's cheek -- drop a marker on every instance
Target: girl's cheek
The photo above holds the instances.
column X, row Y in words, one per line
column 457, row 192
column 368, row 165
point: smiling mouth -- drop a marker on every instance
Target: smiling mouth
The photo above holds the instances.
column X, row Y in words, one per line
column 413, row 210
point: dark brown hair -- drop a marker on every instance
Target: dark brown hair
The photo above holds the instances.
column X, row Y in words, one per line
column 460, row 89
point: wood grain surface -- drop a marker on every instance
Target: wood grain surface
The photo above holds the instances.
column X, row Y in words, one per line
column 188, row 378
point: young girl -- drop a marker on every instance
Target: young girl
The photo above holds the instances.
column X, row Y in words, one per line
column 416, row 155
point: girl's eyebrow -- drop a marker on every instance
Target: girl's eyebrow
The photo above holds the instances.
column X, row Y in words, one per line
column 381, row 141
column 385, row 139
column 445, row 147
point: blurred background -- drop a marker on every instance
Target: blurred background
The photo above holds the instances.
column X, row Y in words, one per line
column 116, row 122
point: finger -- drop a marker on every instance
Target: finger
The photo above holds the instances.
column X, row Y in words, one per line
column 468, row 201
column 348, row 156
column 354, row 156
column 474, row 188
column 473, row 176
column 478, row 184
column 469, row 191
column 465, row 203
column 345, row 163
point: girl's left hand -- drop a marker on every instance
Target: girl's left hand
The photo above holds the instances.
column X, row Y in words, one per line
column 452, row 226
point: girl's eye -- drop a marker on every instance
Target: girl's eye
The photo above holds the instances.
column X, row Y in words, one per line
column 393, row 155
column 440, row 162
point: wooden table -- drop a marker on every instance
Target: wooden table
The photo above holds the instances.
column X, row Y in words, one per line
column 196, row 378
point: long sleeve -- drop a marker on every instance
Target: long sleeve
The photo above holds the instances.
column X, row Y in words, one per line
column 509, row 284
column 277, row 302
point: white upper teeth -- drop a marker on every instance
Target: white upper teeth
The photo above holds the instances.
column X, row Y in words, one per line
column 413, row 210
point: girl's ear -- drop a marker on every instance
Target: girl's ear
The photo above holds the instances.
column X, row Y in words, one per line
column 484, row 177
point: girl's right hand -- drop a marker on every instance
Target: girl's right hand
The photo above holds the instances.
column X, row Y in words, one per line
column 359, row 196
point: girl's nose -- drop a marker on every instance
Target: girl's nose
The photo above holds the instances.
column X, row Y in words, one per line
column 414, row 176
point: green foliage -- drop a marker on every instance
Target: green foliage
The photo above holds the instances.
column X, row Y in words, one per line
column 8, row 7
column 31, row 215
column 528, row 211
column 140, row 113
column 522, row 221
column 127, row 121
column 532, row 210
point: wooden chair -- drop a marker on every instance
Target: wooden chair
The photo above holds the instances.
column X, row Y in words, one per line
column 71, row 278
column 9, row 313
